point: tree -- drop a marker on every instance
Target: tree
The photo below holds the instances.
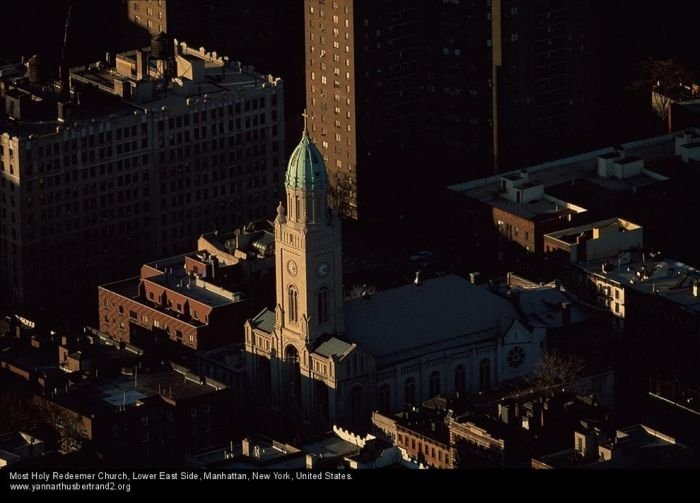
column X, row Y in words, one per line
column 557, row 373
column 667, row 81
column 68, row 424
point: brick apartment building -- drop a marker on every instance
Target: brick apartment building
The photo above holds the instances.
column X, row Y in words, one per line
column 462, row 87
column 127, row 161
column 199, row 300
column 643, row 181
column 152, row 416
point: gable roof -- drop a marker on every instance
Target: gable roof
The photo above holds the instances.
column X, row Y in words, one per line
column 411, row 316
column 264, row 320
column 333, row 346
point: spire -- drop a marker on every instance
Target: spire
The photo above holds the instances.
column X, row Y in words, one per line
column 306, row 169
column 281, row 214
column 306, row 117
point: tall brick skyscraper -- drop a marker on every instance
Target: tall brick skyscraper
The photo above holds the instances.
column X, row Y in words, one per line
column 454, row 89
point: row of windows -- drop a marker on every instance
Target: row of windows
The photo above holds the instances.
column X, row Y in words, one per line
column 435, row 385
column 322, row 302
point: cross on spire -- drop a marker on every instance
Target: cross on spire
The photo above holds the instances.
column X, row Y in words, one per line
column 305, row 116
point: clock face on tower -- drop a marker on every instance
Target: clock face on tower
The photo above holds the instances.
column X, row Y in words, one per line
column 292, row 267
column 322, row 270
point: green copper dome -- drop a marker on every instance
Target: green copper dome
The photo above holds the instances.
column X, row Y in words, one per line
column 306, row 170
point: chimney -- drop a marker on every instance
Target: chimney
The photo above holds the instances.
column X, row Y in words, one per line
column 311, row 460
column 246, row 447
column 141, row 72
column 36, row 69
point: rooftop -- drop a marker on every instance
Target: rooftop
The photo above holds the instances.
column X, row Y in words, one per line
column 333, row 347
column 547, row 206
column 583, row 166
column 439, row 311
column 264, row 320
column 571, row 235
column 108, row 90
column 176, row 279
column 306, row 169
column 267, row 453
column 123, row 392
column 667, row 278
column 544, row 307
column 219, row 76
column 15, row 440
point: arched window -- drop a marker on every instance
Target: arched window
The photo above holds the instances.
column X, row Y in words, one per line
column 409, row 391
column 384, row 398
column 460, row 378
column 435, row 383
column 293, row 295
column 485, row 374
column 291, row 354
column 323, row 305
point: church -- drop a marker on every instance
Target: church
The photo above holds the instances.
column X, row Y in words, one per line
column 334, row 361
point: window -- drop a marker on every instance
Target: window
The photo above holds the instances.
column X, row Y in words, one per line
column 460, row 378
column 485, row 375
column 293, row 294
column 409, row 391
column 435, row 383
column 323, row 305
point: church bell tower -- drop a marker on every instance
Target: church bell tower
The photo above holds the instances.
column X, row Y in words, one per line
column 307, row 253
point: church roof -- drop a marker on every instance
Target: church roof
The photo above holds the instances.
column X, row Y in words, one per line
column 411, row 316
column 264, row 320
column 306, row 169
column 333, row 346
